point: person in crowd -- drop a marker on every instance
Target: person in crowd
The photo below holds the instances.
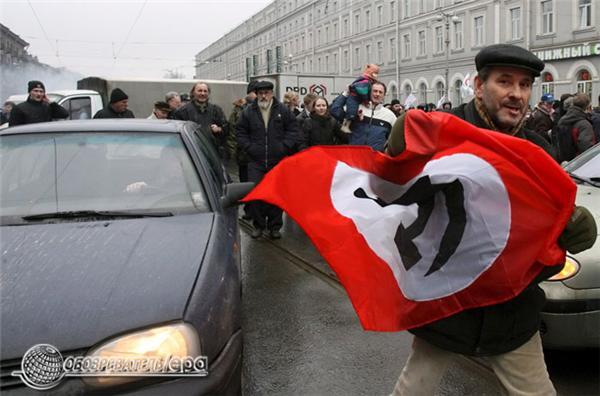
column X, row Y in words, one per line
column 235, row 152
column 373, row 124
column 308, row 100
column 505, row 334
column 359, row 93
column 117, row 107
column 185, row 98
column 267, row 131
column 208, row 116
column 321, row 128
column 37, row 107
column 575, row 131
column 565, row 102
column 447, row 106
column 292, row 100
column 5, row 112
column 161, row 111
column 397, row 107
column 173, row 99
column 540, row 120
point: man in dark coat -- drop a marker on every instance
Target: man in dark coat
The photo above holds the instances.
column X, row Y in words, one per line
column 576, row 125
column 541, row 118
column 505, row 334
column 208, row 116
column 37, row 107
column 117, row 108
column 267, row 131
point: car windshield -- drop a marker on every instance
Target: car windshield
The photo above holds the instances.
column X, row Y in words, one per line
column 586, row 167
column 122, row 172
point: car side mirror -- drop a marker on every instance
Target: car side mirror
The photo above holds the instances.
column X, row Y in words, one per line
column 234, row 192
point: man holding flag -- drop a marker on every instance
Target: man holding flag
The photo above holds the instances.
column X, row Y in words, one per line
column 449, row 234
column 505, row 334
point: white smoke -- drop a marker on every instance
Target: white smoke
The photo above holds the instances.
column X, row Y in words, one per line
column 14, row 78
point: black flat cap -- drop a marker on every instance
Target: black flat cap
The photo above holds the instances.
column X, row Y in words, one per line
column 509, row 56
column 263, row 85
column 251, row 86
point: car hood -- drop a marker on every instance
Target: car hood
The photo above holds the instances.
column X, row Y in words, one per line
column 72, row 285
column 589, row 274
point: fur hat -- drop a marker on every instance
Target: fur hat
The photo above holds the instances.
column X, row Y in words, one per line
column 117, row 95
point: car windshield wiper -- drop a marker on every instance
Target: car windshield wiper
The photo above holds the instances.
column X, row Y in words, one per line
column 94, row 213
column 592, row 181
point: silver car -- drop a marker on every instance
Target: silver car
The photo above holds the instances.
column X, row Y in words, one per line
column 571, row 317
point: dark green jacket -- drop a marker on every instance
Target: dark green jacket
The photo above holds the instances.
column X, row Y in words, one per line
column 494, row 329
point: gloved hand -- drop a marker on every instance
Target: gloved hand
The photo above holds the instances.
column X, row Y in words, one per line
column 580, row 232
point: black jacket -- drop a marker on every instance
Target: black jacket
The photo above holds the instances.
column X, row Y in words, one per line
column 31, row 112
column 205, row 116
column 498, row 328
column 267, row 146
column 581, row 127
column 108, row 112
column 317, row 130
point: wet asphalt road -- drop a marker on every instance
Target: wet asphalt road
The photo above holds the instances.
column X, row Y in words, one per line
column 302, row 337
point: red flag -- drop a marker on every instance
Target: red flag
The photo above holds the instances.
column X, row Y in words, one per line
column 463, row 218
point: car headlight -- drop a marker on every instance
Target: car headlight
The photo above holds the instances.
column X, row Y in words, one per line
column 174, row 340
column 569, row 270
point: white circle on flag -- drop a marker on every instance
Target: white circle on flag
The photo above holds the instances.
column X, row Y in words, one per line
column 486, row 231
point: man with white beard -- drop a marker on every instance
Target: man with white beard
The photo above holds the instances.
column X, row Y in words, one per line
column 268, row 132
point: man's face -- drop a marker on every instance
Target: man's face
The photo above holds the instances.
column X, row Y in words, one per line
column 264, row 96
column 397, row 108
column 377, row 93
column 174, row 102
column 120, row 106
column 37, row 94
column 201, row 93
column 7, row 108
column 505, row 95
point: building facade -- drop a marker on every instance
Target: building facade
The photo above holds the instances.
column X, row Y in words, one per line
column 13, row 49
column 424, row 47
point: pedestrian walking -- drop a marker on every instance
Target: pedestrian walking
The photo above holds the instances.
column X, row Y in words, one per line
column 505, row 335
column 267, row 131
column 117, row 107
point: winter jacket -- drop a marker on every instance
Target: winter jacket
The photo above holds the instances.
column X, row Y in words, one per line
column 31, row 112
column 493, row 329
column 108, row 112
column 540, row 122
column 321, row 130
column 205, row 115
column 361, row 88
column 267, row 146
column 232, row 145
column 580, row 125
column 596, row 123
column 373, row 130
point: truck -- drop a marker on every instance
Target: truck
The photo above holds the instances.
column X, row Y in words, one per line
column 325, row 85
column 144, row 92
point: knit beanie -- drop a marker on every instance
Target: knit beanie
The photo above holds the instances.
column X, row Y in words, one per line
column 117, row 95
column 31, row 85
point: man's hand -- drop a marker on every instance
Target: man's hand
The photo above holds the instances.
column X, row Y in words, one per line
column 215, row 128
column 46, row 99
column 580, row 232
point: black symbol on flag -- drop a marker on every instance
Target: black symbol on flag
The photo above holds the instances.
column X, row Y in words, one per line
column 423, row 192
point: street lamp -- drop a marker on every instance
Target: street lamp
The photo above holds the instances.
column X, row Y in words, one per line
column 447, row 17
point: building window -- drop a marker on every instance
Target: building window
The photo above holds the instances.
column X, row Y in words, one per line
column 440, row 91
column 406, row 8
column 335, row 63
column 346, row 31
column 422, row 93
column 515, row 23
column 422, row 42
column 547, row 16
column 547, row 83
column 327, row 65
column 356, row 57
column 394, row 92
column 335, row 31
column 318, row 37
column 585, row 13
column 319, row 66
column 439, row 39
column 392, row 50
column 346, row 60
column 458, row 35
column 380, row 52
column 407, row 90
column 421, row 6
column 584, row 82
column 356, row 23
column 392, row 11
column 478, row 31
column 379, row 15
column 367, row 20
column 406, row 39
column 457, row 100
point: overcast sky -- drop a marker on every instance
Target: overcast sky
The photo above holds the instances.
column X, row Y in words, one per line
column 114, row 38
